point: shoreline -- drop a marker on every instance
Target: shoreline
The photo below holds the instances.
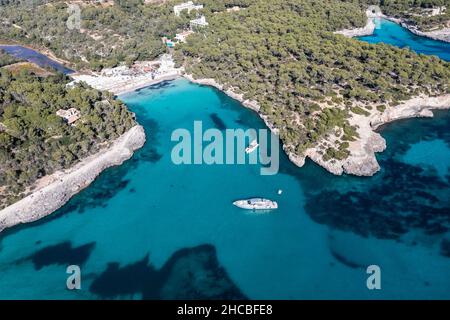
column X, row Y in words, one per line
column 250, row 104
column 46, row 52
column 438, row 35
column 128, row 86
column 145, row 84
column 59, row 187
column 368, row 30
column 362, row 160
column 63, row 185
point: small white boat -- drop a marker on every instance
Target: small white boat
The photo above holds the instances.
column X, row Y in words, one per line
column 256, row 204
column 252, row 147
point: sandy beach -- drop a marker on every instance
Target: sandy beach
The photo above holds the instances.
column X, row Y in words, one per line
column 367, row 30
column 122, row 85
column 55, row 190
column 123, row 79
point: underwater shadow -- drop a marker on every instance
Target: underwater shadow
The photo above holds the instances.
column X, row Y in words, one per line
column 190, row 273
column 218, row 122
column 61, row 254
column 406, row 198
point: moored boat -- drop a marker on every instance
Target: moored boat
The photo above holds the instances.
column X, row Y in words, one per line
column 256, row 204
column 252, row 147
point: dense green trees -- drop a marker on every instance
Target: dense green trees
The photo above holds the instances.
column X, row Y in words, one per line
column 34, row 141
column 127, row 31
column 283, row 54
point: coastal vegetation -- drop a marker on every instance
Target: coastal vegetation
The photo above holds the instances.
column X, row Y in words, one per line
column 124, row 32
column 283, row 54
column 307, row 80
column 35, row 142
column 415, row 12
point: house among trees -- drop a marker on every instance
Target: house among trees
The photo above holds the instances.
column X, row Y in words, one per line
column 189, row 6
column 169, row 43
column 436, row 11
column 199, row 22
column 183, row 35
column 70, row 116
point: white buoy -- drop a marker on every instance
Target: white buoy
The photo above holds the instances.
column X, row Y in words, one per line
column 280, row 191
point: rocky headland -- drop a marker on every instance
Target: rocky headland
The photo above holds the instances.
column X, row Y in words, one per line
column 59, row 187
column 362, row 160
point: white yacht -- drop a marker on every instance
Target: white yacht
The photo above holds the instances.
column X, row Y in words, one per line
column 252, row 147
column 256, row 204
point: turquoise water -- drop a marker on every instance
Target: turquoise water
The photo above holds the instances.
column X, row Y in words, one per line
column 151, row 229
column 35, row 57
column 434, row 153
column 394, row 34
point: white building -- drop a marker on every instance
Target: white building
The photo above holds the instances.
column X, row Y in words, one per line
column 111, row 72
column 183, row 35
column 189, row 6
column 200, row 22
column 438, row 11
column 70, row 116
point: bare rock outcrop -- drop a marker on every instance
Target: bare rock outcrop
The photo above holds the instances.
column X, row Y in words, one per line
column 362, row 160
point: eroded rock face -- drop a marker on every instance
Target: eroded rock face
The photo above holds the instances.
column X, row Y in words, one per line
column 366, row 164
column 362, row 160
column 416, row 107
column 49, row 198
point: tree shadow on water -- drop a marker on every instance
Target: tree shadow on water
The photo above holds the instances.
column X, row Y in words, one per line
column 190, row 273
column 218, row 122
column 61, row 254
column 406, row 198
